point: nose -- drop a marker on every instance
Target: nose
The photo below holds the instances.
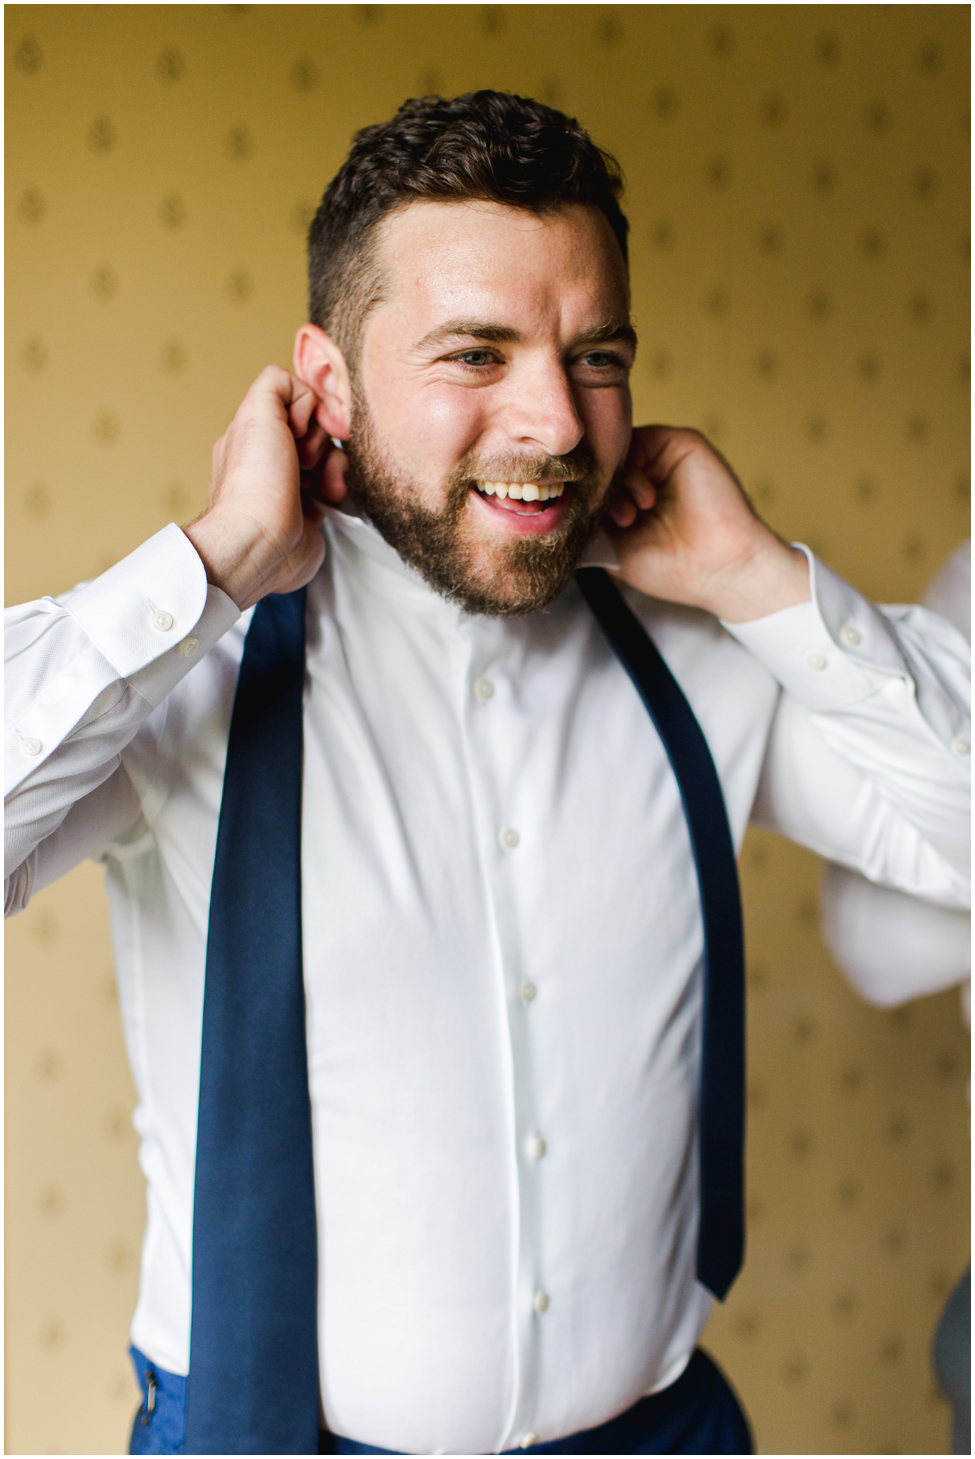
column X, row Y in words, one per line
column 542, row 410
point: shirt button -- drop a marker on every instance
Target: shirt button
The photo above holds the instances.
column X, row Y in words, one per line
column 960, row 746
column 508, row 838
column 32, row 747
column 537, row 1148
column 815, row 659
column 526, row 992
column 163, row 621
column 849, row 635
column 483, row 688
column 527, row 1440
column 540, row 1302
column 189, row 647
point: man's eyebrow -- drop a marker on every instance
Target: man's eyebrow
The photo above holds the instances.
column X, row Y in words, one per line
column 471, row 329
column 607, row 333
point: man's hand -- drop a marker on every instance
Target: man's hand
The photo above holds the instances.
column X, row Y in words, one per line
column 274, row 469
column 686, row 532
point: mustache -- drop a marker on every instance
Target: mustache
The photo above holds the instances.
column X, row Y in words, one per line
column 577, row 465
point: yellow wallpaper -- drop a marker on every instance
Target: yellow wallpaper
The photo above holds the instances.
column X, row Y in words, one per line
column 798, row 194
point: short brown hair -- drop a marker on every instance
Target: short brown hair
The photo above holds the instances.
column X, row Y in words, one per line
column 486, row 145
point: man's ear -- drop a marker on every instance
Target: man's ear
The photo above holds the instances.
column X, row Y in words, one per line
column 319, row 362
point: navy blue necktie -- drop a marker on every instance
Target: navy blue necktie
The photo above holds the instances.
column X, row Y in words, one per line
column 721, row 1113
column 253, row 1386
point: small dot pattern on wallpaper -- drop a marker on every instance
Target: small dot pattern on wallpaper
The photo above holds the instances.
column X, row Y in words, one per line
column 797, row 188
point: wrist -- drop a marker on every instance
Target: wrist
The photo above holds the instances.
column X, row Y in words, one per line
column 230, row 564
column 775, row 576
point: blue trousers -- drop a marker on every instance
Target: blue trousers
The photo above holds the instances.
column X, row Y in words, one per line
column 159, row 1426
column 699, row 1414
column 953, row 1362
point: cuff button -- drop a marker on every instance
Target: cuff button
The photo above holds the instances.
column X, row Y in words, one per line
column 32, row 747
column 162, row 621
column 189, row 647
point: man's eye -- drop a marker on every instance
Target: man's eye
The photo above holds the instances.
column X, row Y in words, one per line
column 476, row 359
column 602, row 360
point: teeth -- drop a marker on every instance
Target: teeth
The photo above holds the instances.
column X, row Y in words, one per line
column 522, row 491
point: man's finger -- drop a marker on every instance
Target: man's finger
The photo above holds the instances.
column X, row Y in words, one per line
column 285, row 393
column 300, row 410
column 657, row 450
column 640, row 487
column 312, row 445
column 623, row 511
column 334, row 489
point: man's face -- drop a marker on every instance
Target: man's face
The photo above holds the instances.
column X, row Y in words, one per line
column 491, row 404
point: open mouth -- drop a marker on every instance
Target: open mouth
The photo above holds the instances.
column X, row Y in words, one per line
column 525, row 498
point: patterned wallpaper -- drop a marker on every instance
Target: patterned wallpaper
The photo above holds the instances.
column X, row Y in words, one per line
column 798, row 193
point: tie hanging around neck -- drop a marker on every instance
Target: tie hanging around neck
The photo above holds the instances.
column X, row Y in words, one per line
column 253, row 1386
column 721, row 1118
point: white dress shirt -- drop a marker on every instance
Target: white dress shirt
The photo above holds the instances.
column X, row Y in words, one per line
column 891, row 946
column 502, row 939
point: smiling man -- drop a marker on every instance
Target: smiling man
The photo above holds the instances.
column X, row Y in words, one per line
column 419, row 829
column 491, row 313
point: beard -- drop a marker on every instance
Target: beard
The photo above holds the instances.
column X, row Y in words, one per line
column 492, row 578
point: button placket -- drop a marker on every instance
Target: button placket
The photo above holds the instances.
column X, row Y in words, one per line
column 493, row 724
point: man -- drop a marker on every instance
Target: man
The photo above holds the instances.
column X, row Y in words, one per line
column 507, row 954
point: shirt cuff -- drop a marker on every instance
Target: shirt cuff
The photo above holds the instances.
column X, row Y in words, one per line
column 150, row 604
column 164, row 578
column 829, row 653
column 159, row 678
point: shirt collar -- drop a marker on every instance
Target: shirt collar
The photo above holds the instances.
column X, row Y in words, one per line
column 367, row 553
